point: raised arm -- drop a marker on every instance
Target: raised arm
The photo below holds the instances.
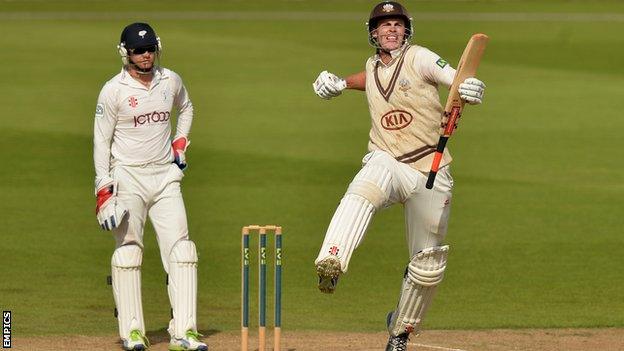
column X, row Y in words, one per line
column 328, row 85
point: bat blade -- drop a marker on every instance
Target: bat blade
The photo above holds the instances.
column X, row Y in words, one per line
column 466, row 68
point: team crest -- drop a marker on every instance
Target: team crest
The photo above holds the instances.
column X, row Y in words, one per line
column 99, row 110
column 404, row 85
column 133, row 102
column 142, row 33
column 387, row 8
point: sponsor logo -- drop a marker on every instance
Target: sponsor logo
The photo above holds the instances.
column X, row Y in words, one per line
column 133, row 102
column 396, row 119
column 149, row 118
column 334, row 250
column 99, row 110
column 142, row 33
column 442, row 63
column 6, row 329
column 387, row 8
column 447, row 201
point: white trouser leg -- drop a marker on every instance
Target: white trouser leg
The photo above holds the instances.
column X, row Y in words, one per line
column 126, row 276
column 426, row 220
column 178, row 254
column 182, row 288
column 427, row 213
column 368, row 192
column 168, row 216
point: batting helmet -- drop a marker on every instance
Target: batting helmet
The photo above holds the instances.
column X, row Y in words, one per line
column 137, row 35
column 384, row 10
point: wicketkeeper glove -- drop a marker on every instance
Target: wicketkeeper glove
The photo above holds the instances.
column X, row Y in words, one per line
column 472, row 90
column 109, row 210
column 328, row 85
column 179, row 146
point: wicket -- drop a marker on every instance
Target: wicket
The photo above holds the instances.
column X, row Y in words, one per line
column 262, row 231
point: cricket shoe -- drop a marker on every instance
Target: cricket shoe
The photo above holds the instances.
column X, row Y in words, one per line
column 190, row 341
column 136, row 341
column 396, row 343
column 328, row 270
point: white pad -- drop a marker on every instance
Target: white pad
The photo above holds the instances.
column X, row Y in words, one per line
column 182, row 287
column 368, row 192
column 126, row 276
column 424, row 273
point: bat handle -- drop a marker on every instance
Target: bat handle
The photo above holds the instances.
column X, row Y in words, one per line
column 431, row 179
column 437, row 158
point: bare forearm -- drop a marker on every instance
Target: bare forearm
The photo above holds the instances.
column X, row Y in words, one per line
column 356, row 81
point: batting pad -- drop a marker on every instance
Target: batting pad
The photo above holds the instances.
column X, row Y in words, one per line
column 126, row 276
column 367, row 192
column 182, row 287
column 424, row 272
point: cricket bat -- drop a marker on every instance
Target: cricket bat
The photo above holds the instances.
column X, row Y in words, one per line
column 466, row 68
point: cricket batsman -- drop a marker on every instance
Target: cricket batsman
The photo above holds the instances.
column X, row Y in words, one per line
column 401, row 83
column 138, row 170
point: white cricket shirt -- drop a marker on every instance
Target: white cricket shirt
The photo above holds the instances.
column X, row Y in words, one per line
column 132, row 122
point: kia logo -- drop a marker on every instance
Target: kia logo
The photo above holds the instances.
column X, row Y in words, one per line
column 396, row 119
column 153, row 117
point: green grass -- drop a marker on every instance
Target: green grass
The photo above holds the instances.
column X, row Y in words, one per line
column 535, row 231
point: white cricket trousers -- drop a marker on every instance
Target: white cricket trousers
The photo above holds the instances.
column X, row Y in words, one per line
column 151, row 190
column 382, row 182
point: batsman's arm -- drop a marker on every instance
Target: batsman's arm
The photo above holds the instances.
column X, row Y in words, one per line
column 328, row 85
column 433, row 68
column 356, row 81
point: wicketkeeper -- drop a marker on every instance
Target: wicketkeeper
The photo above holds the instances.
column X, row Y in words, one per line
column 401, row 83
column 138, row 173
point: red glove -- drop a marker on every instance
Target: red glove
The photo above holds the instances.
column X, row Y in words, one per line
column 179, row 146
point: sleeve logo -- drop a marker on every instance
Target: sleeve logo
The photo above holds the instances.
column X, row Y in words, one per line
column 99, row 110
column 442, row 63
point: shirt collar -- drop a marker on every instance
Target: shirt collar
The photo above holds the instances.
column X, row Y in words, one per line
column 394, row 53
column 159, row 74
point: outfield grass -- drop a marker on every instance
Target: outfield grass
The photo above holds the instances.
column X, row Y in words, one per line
column 535, row 232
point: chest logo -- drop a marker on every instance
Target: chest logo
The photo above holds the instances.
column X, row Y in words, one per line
column 404, row 85
column 133, row 102
column 396, row 119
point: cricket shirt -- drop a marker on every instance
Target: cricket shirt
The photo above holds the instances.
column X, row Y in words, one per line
column 404, row 104
column 132, row 122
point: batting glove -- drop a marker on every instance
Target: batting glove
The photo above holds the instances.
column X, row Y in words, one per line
column 472, row 90
column 328, row 85
column 109, row 210
column 179, row 147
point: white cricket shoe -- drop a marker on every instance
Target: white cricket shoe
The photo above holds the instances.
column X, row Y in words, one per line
column 190, row 341
column 136, row 341
column 328, row 270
